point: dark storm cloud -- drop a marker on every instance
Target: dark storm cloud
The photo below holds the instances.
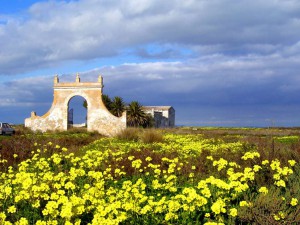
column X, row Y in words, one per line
column 26, row 92
column 242, row 90
column 222, row 80
column 53, row 32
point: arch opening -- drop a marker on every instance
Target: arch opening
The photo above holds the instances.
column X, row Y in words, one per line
column 77, row 113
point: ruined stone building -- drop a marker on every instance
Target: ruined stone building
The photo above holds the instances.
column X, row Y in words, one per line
column 98, row 117
column 164, row 116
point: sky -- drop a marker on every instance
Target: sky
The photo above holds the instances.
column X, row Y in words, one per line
column 217, row 62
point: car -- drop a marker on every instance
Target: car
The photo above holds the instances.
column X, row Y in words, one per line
column 5, row 128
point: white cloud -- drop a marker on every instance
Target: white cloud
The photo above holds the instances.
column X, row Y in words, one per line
column 57, row 31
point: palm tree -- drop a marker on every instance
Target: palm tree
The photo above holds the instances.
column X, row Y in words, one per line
column 150, row 122
column 107, row 102
column 135, row 114
column 117, row 106
column 84, row 104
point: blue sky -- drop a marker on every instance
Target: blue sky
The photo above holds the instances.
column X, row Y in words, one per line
column 217, row 62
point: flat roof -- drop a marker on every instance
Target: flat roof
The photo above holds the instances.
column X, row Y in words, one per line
column 157, row 107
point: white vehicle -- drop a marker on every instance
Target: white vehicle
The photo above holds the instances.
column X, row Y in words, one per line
column 5, row 128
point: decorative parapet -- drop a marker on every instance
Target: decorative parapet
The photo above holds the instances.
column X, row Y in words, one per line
column 78, row 84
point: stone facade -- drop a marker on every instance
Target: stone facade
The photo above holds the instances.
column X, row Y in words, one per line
column 98, row 117
column 164, row 116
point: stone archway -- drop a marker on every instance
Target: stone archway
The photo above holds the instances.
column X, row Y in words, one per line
column 98, row 117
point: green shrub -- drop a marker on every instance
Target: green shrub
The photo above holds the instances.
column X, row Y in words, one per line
column 273, row 208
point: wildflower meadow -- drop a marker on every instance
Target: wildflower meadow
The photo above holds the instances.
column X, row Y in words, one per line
column 153, row 177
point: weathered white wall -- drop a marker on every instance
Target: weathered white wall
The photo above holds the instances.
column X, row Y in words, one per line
column 98, row 117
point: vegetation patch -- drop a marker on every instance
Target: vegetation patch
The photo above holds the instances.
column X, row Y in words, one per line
column 160, row 177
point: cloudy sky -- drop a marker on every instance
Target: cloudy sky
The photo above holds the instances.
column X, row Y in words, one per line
column 217, row 62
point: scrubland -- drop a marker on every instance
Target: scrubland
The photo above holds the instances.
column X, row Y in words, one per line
column 210, row 176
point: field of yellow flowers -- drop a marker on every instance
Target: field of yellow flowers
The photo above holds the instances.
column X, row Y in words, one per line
column 178, row 178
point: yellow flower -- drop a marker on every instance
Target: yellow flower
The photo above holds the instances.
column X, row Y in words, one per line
column 66, row 210
column 56, row 158
column 250, row 155
column 157, row 171
column 256, row 168
column 207, row 215
column 275, row 164
column 70, row 185
column 292, row 162
column 36, row 204
column 148, row 159
column 265, row 162
column 22, row 221
column 146, row 209
column 286, row 171
column 7, row 190
column 221, row 163
column 173, row 206
column 280, row 183
column 218, row 206
column 276, row 176
column 206, row 192
column 170, row 216
column 281, row 214
column 233, row 212
column 276, row 217
column 136, row 163
column 210, row 158
column 130, row 158
column 244, row 203
column 294, row 202
column 263, row 190
column 11, row 209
